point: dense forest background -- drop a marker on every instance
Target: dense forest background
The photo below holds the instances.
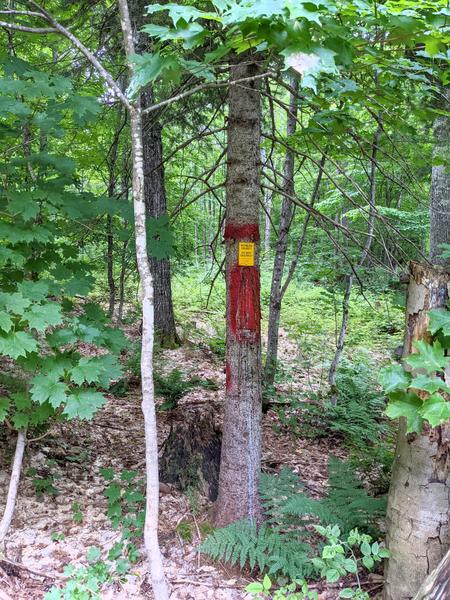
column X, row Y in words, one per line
column 224, row 251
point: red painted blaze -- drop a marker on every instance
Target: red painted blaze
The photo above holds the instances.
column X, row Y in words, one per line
column 244, row 304
column 249, row 231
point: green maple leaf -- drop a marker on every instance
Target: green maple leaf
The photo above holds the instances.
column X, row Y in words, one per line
column 5, row 322
column 436, row 410
column 159, row 237
column 17, row 344
column 4, row 407
column 405, row 404
column 394, row 377
column 430, row 358
column 41, row 413
column 47, row 389
column 41, row 316
column 22, row 401
column 429, row 384
column 61, row 337
column 14, row 303
column 20, row 420
column 83, row 404
column 100, row 369
column 34, row 290
column 439, row 319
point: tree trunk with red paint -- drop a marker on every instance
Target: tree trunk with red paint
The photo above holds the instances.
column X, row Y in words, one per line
column 241, row 444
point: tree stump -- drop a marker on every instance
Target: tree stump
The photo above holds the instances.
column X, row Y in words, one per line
column 191, row 453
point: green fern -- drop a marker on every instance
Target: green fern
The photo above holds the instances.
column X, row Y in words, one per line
column 266, row 548
column 347, row 503
column 279, row 546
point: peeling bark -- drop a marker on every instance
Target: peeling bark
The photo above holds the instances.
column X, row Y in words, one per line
column 418, row 514
column 241, row 443
column 437, row 585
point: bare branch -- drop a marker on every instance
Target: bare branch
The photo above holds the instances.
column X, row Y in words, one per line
column 25, row 29
column 204, row 86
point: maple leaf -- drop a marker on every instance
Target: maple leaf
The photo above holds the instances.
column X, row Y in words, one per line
column 45, row 388
column 41, row 316
column 17, row 344
column 83, row 404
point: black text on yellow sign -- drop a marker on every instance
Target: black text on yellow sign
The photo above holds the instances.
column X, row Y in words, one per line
column 246, row 254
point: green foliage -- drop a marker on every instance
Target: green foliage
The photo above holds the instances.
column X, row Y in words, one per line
column 346, row 504
column 342, row 556
column 126, row 510
column 243, row 544
column 85, row 582
column 417, row 389
column 356, row 419
column 43, row 481
column 279, row 545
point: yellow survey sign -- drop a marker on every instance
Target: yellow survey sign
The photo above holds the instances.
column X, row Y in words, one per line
column 246, row 254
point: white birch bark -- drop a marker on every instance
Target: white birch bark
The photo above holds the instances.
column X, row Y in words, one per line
column 13, row 485
column 159, row 584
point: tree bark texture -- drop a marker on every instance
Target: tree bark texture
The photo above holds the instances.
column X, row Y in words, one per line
column 13, row 488
column 287, row 213
column 241, row 443
column 156, row 204
column 437, row 585
column 418, row 514
column 151, row 541
column 440, row 184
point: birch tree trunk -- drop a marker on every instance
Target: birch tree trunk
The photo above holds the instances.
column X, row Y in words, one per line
column 241, row 444
column 418, row 514
column 437, row 585
column 13, row 488
column 159, row 584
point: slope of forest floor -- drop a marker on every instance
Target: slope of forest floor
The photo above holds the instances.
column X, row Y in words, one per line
column 56, row 527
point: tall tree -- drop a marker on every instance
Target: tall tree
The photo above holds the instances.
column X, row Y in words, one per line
column 440, row 182
column 241, row 444
column 155, row 192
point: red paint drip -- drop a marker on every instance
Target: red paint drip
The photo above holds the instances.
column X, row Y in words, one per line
column 249, row 231
column 228, row 376
column 244, row 309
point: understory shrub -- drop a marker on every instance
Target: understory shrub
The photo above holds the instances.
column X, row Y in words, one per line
column 284, row 544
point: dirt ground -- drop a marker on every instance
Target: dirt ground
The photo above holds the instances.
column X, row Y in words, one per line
column 72, row 456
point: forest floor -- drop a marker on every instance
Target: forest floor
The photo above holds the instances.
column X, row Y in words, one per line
column 51, row 531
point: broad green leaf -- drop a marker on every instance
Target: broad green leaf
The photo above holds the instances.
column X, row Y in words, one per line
column 436, row 410
column 14, row 303
column 431, row 358
column 178, row 11
column 45, row 388
column 405, row 404
column 83, row 404
column 99, row 370
column 147, row 68
column 394, row 377
column 41, row 316
column 20, row 420
column 439, row 319
column 4, row 407
column 17, row 344
column 5, row 322
column 332, row 575
column 429, row 384
column 160, row 237
column 34, row 290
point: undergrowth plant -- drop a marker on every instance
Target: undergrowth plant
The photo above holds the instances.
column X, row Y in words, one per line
column 283, row 544
column 341, row 556
column 417, row 389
